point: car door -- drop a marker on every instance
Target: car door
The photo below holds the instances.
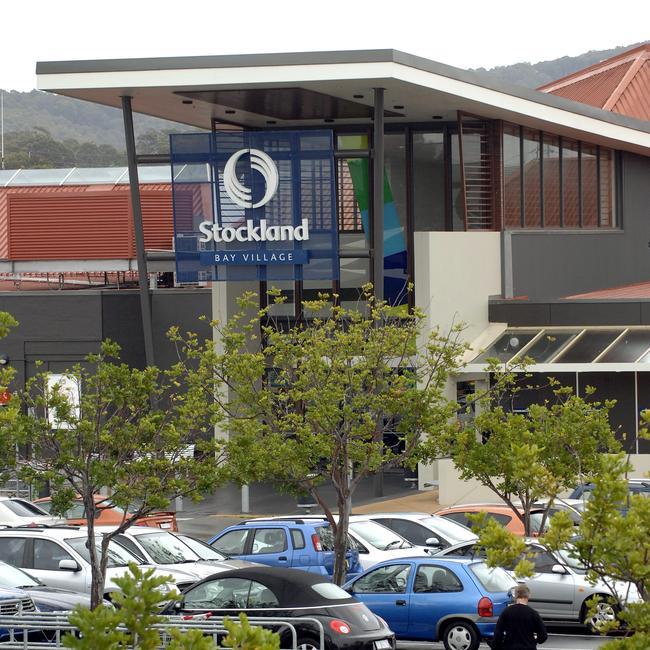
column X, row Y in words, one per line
column 269, row 545
column 233, row 542
column 385, row 591
column 551, row 594
column 46, row 555
column 437, row 591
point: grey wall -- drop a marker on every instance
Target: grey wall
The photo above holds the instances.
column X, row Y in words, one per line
column 562, row 263
column 60, row 328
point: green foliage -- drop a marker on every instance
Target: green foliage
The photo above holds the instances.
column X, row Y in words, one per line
column 310, row 404
column 243, row 636
column 129, row 431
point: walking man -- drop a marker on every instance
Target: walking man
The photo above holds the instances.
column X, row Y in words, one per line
column 519, row 627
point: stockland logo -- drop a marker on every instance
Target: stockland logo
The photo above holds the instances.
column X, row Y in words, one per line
column 242, row 196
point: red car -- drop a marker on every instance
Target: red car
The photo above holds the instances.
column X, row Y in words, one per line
column 110, row 515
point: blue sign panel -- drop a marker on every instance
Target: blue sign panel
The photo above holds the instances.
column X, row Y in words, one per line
column 254, row 206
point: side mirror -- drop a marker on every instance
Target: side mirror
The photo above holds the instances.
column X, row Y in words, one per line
column 179, row 604
column 559, row 569
column 68, row 565
column 433, row 541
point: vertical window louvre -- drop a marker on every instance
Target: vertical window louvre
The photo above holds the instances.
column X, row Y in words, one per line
column 511, row 176
column 606, row 188
column 570, row 185
column 532, row 164
column 551, row 180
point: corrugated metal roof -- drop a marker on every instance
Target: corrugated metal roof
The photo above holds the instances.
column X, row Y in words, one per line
column 637, row 290
column 620, row 84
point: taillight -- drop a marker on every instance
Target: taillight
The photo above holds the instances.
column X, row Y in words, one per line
column 341, row 627
column 315, row 540
column 485, row 607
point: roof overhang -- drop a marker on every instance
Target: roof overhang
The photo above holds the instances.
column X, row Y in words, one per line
column 192, row 90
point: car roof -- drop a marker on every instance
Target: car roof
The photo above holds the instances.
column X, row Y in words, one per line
column 399, row 514
column 133, row 530
column 293, row 587
column 55, row 532
column 485, row 507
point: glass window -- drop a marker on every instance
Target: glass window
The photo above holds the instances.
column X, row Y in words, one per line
column 23, row 508
column 589, row 174
column 269, row 540
column 390, row 579
column 15, row 578
column 588, row 346
column 511, row 177
column 224, row 593
column 570, row 184
column 549, row 344
column 232, row 543
column 378, row 536
column 164, row 548
column 352, row 194
column 12, row 550
column 203, row 550
column 415, row 533
column 261, row 596
column 117, row 555
column 297, row 538
column 532, row 178
column 457, row 207
column 458, row 517
column 492, row 579
column 606, row 189
column 629, row 348
column 542, row 560
column 48, row 554
column 326, row 538
column 507, row 346
column 451, row 531
column 429, row 181
column 330, row 591
column 435, row 580
column 551, row 167
column 130, row 546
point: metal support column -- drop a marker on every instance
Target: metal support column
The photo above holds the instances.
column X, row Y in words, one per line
column 136, row 207
column 378, row 195
column 378, row 223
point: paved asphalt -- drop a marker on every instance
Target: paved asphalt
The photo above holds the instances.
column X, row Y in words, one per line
column 555, row 642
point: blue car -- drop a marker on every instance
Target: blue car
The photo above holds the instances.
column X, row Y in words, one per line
column 292, row 543
column 456, row 601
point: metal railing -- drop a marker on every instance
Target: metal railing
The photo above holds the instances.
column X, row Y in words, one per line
column 46, row 630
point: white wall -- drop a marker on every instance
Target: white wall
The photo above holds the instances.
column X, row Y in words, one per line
column 455, row 274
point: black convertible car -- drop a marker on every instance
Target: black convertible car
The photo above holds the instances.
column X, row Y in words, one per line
column 278, row 592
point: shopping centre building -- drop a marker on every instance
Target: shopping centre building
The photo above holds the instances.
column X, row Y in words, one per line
column 524, row 214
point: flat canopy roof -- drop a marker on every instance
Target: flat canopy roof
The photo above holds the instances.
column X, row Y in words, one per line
column 308, row 88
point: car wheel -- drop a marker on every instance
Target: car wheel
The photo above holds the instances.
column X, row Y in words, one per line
column 306, row 643
column 604, row 613
column 460, row 635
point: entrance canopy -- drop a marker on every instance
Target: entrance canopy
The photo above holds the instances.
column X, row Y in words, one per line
column 304, row 89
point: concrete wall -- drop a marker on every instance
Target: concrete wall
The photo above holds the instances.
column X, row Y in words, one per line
column 554, row 264
column 455, row 274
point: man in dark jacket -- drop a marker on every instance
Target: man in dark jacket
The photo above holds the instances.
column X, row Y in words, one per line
column 519, row 627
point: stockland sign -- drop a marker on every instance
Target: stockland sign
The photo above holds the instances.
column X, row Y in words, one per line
column 254, row 206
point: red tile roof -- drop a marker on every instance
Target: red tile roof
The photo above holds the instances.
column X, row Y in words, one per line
column 620, row 84
column 640, row 290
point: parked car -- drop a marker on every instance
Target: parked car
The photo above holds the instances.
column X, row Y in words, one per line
column 501, row 513
column 456, row 601
column 635, row 486
column 298, row 543
column 12, row 602
column 58, row 557
column 279, row 592
column 108, row 514
column 423, row 529
column 21, row 512
column 559, row 588
column 166, row 550
column 45, row 599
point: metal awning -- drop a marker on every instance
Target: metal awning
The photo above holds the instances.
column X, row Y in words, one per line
column 569, row 349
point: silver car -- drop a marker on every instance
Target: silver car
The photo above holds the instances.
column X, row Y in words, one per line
column 559, row 589
column 58, row 557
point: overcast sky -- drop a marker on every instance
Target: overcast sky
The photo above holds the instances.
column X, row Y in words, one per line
column 464, row 33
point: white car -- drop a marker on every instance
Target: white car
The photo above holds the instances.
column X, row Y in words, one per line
column 171, row 551
column 58, row 557
column 21, row 512
column 423, row 529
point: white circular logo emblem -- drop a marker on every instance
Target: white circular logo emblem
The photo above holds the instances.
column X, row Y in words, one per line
column 240, row 194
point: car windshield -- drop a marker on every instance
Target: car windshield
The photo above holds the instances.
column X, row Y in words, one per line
column 378, row 536
column 454, row 533
column 567, row 556
column 495, row 579
column 23, row 508
column 117, row 555
column 165, row 548
column 202, row 549
column 11, row 577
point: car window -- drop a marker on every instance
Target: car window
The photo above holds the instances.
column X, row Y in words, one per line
column 330, row 591
column 469, row 550
column 203, row 550
column 495, row 579
column 433, row 579
column 16, row 578
column 326, row 538
column 379, row 536
column 48, row 554
column 458, row 517
column 164, row 548
column 21, row 510
column 77, row 511
column 269, row 540
column 297, row 538
column 260, row 596
column 386, row 579
column 500, row 518
column 32, row 508
column 130, row 545
column 117, row 554
column 415, row 533
column 233, row 542
column 12, row 550
column 542, row 560
column 224, row 593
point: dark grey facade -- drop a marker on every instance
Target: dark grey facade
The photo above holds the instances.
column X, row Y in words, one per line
column 61, row 328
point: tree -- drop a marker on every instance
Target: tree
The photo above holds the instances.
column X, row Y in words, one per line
column 525, row 457
column 106, row 425
column 330, row 399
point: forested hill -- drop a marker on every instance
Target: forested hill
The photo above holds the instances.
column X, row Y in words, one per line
column 45, row 130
